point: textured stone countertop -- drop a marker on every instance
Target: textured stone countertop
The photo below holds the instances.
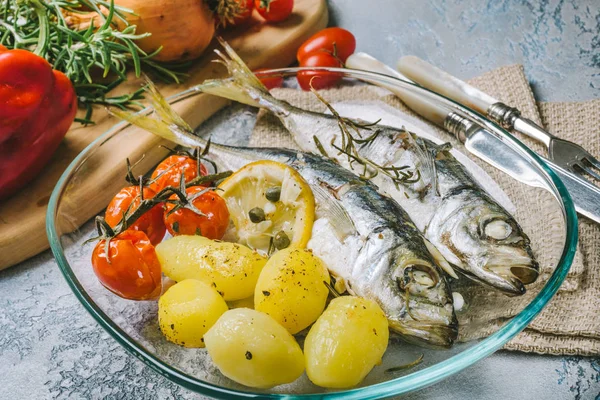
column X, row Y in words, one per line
column 50, row 347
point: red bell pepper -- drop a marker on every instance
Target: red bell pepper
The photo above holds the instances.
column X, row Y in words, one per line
column 37, row 107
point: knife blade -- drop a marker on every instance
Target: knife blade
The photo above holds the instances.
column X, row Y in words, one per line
column 485, row 144
column 492, row 150
column 433, row 78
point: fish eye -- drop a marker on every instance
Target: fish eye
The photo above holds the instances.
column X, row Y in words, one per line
column 496, row 229
column 422, row 275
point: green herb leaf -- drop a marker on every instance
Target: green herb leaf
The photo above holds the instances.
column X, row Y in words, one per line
column 83, row 52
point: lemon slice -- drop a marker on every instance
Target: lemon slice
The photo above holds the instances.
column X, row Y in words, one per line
column 271, row 207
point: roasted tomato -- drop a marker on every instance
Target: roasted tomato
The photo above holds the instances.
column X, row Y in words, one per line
column 336, row 41
column 321, row 79
column 151, row 222
column 185, row 221
column 270, row 81
column 274, row 10
column 168, row 172
column 131, row 268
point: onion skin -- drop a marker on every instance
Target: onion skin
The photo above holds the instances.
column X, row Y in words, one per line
column 184, row 28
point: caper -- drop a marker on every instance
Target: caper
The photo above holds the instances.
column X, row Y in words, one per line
column 281, row 240
column 256, row 215
column 273, row 194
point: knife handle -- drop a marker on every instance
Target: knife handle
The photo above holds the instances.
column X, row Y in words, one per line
column 427, row 109
column 442, row 82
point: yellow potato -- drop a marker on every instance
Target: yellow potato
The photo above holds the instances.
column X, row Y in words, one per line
column 187, row 310
column 346, row 342
column 232, row 269
column 291, row 288
column 251, row 348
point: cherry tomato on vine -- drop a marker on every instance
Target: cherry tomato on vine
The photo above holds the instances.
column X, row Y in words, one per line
column 151, row 222
column 131, row 269
column 270, row 81
column 321, row 79
column 184, row 221
column 274, row 10
column 168, row 172
column 336, row 41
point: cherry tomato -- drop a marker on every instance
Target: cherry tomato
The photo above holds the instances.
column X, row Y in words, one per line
column 151, row 222
column 274, row 10
column 131, row 269
column 336, row 41
column 184, row 221
column 321, row 79
column 168, row 172
column 247, row 6
column 270, row 81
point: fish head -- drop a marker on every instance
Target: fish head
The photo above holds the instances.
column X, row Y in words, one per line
column 413, row 292
column 484, row 241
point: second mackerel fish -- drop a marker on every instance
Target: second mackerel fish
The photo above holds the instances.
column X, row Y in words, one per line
column 470, row 229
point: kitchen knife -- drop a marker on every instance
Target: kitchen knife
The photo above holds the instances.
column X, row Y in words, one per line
column 483, row 143
column 508, row 117
column 492, row 150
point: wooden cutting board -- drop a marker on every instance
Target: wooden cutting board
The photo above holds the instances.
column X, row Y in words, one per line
column 261, row 45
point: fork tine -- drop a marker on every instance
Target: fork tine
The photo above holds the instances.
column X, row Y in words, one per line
column 589, row 170
column 595, row 163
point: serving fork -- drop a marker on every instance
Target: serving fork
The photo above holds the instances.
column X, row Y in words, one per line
column 564, row 153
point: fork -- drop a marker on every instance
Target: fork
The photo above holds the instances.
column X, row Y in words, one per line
column 568, row 155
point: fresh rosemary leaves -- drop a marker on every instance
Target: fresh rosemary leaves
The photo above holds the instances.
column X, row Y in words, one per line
column 349, row 143
column 95, row 58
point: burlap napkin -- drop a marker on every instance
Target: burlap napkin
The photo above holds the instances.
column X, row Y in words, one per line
column 570, row 324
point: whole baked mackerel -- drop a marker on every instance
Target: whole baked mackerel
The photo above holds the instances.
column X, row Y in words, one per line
column 470, row 229
column 366, row 239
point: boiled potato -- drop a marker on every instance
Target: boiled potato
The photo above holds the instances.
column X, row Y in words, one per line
column 187, row 310
column 346, row 342
column 291, row 288
column 251, row 348
column 232, row 269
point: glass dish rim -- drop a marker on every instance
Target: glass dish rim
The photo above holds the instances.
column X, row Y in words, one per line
column 407, row 383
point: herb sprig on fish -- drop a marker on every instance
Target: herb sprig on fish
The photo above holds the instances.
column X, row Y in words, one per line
column 398, row 174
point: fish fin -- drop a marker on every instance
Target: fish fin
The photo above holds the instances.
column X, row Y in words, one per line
column 428, row 163
column 169, row 125
column 427, row 154
column 439, row 258
column 337, row 216
column 242, row 86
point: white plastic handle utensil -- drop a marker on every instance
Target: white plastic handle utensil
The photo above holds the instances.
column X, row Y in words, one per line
column 443, row 83
column 428, row 110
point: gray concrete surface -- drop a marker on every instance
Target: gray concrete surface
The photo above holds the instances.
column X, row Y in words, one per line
column 557, row 41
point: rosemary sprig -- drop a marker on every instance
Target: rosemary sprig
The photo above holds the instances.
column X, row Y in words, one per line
column 350, row 145
column 96, row 57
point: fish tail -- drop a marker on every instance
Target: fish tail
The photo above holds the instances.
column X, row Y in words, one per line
column 169, row 125
column 242, row 86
